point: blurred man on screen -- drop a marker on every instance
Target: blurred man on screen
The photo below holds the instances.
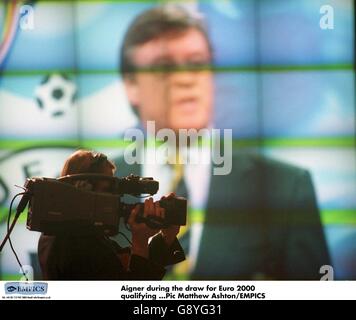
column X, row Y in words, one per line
column 260, row 221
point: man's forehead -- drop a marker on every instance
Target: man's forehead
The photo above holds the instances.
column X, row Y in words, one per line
column 173, row 46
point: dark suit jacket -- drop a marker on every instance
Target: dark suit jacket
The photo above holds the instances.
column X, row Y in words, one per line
column 95, row 257
column 262, row 222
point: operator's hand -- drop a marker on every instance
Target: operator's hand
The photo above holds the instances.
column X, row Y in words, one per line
column 140, row 231
column 169, row 234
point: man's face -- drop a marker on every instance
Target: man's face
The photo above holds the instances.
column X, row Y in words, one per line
column 176, row 99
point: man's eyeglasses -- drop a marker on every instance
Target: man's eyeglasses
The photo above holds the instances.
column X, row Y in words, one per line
column 165, row 68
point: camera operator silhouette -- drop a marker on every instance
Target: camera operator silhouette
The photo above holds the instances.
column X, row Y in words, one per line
column 94, row 256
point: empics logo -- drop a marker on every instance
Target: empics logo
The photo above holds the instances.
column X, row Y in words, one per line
column 10, row 289
column 24, row 288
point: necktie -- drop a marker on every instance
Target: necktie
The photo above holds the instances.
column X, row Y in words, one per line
column 181, row 191
column 181, row 270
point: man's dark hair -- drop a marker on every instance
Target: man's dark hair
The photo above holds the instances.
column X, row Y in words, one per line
column 154, row 23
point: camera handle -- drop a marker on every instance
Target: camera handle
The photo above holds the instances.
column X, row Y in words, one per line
column 175, row 213
column 151, row 221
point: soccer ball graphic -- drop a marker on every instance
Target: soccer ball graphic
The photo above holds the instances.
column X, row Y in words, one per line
column 56, row 94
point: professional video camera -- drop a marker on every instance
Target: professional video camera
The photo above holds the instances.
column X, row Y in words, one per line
column 62, row 206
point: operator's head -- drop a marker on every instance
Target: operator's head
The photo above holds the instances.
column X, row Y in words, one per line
column 84, row 161
column 165, row 63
